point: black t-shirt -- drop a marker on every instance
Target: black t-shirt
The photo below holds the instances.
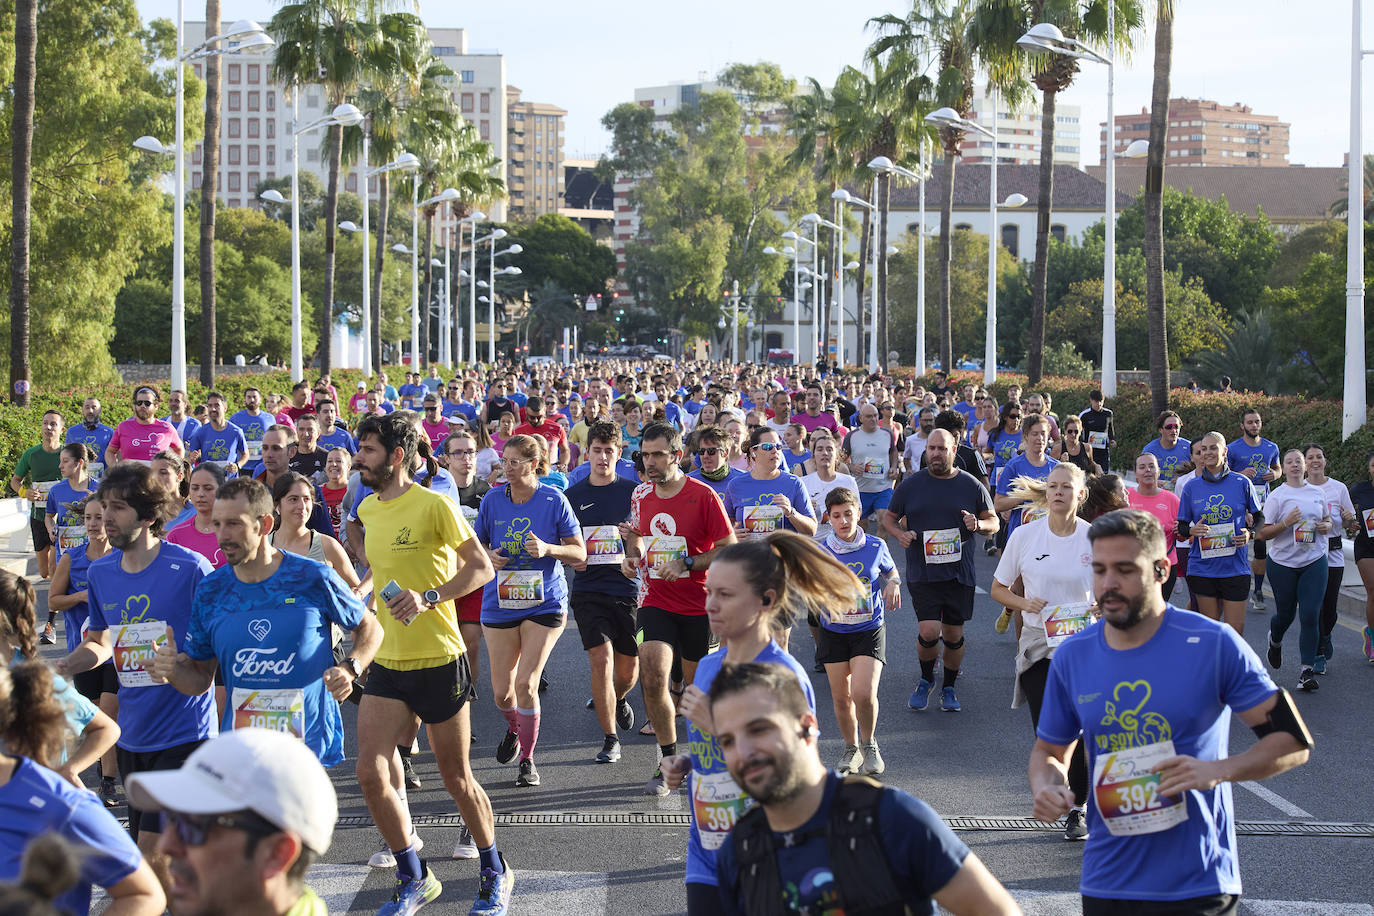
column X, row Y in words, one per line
column 932, row 507
column 1362, row 495
column 471, row 495
column 1098, row 421
column 596, row 506
column 309, row 463
column 498, row 406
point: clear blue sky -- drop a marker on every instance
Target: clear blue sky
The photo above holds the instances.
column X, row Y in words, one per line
column 588, row 56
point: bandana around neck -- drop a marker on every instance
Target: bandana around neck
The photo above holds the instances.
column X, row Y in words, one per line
column 832, row 540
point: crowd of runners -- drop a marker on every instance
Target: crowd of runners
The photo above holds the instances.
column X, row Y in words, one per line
column 247, row 573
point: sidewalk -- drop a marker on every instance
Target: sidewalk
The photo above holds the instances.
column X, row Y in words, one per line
column 16, row 545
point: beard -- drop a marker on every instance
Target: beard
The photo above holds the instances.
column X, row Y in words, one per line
column 782, row 785
column 1135, row 611
column 377, row 478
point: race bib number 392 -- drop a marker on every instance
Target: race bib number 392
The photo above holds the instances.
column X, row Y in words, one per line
column 1127, row 793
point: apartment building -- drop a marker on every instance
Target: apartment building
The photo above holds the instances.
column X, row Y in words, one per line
column 534, row 162
column 1203, row 132
column 1018, row 134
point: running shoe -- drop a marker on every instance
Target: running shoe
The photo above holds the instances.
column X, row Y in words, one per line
column 1319, row 664
column 466, row 847
column 529, row 776
column 1369, row 643
column 385, row 858
column 873, row 761
column 109, row 794
column 920, row 697
column 505, row 751
column 624, row 715
column 494, row 897
column 1075, row 825
column 408, row 772
column 543, row 683
column 412, row 894
column 610, row 751
column 656, row 785
column 49, row 635
column 948, row 701
column 1003, row 620
column 1274, row 654
column 1307, row 681
column 849, row 760
column 1259, row 600
column 1325, row 648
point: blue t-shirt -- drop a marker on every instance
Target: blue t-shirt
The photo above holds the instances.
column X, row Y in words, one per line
column 720, row 486
column 519, row 397
column 219, row 445
column 594, row 507
column 526, row 586
column 253, row 426
column 412, row 396
column 714, row 800
column 71, row 526
column 36, row 801
column 459, row 409
column 1260, row 457
column 970, row 412
column 156, row 716
column 78, row 710
column 97, row 439
column 1170, row 459
column 185, row 428
column 1006, row 447
column 273, row 642
column 745, row 491
column 1180, row 686
column 1020, row 466
column 794, row 461
column 74, row 617
column 932, row 509
column 339, row 438
column 872, row 563
column 921, row 849
column 623, row 468
column 1219, row 504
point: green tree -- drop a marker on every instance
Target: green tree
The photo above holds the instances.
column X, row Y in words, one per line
column 1196, row 323
column 558, row 251
column 1250, row 354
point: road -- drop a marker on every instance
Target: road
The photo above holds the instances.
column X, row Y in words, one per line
column 587, row 841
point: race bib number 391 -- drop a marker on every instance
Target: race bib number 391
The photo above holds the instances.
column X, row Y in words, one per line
column 717, row 804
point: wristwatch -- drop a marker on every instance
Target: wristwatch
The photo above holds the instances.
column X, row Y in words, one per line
column 351, row 665
column 688, row 561
column 431, row 597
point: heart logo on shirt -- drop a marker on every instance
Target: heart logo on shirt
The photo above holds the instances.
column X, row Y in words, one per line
column 259, row 629
column 136, row 608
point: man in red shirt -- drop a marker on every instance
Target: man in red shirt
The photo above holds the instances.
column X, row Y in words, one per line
column 300, row 402
column 538, row 424
column 676, row 526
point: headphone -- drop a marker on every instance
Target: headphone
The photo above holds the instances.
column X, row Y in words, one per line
column 808, row 732
column 1161, row 572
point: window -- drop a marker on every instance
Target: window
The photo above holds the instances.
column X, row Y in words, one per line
column 312, row 155
column 254, row 73
column 271, row 102
column 271, row 128
column 235, row 74
column 235, row 100
column 467, row 102
column 195, row 181
column 1011, row 239
column 196, row 154
column 485, row 130
column 235, row 181
column 254, row 127
column 254, row 154
column 235, row 127
column 254, row 179
column 234, row 152
column 312, row 100
column 254, row 100
column 1058, row 232
column 271, row 156
column 351, row 183
column 486, row 101
column 467, row 76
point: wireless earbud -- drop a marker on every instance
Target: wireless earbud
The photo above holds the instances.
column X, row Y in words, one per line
column 808, row 732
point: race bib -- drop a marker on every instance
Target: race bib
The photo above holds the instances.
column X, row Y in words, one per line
column 469, row 514
column 717, row 804
column 69, row 536
column 760, row 520
column 1033, row 513
column 1097, row 440
column 38, row 492
column 944, row 545
column 1127, row 793
column 1261, row 494
column 664, row 548
column 860, row 613
column 253, row 451
column 281, row 710
column 519, row 589
column 1217, row 542
column 1064, row 620
column 95, row 470
column 1368, row 517
column 604, row 544
column 135, row 644
column 1305, row 532
column 874, row 469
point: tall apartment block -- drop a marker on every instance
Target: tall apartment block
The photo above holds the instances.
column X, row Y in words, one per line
column 1018, row 134
column 1202, row 132
column 534, row 162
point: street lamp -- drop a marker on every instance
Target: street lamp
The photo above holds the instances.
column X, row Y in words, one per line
column 402, row 163
column 842, row 197
column 884, row 164
column 447, row 194
column 794, row 253
column 815, row 221
column 246, row 35
column 471, row 219
column 1353, row 412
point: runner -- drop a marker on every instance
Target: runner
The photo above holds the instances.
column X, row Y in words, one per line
column 278, row 446
column 38, row 471
column 712, row 449
column 812, row 417
column 458, row 454
column 1217, row 509
column 766, row 499
column 1362, row 494
column 1171, row 450
column 934, row 514
column 800, row 849
column 676, row 530
column 178, row 405
column 853, row 637
column 266, row 623
column 1258, row 459
column 796, row 454
column 435, row 425
column 825, row 458
column 218, row 441
column 198, row 532
column 1151, row 691
column 293, row 499
column 753, row 590
column 1072, row 449
column 875, row 461
column 331, row 434
column 136, row 592
column 338, row 464
column 142, row 436
column 1034, row 463
column 93, row 434
column 1004, row 443
column 539, row 423
column 966, row 457
column 418, row 539
column 253, row 423
column 1163, row 505
column 916, row 443
column 1301, row 523
column 308, row 457
column 62, row 514
column 528, row 530
column 1052, row 559
column 1345, row 521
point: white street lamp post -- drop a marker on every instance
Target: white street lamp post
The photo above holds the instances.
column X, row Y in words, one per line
column 1353, row 413
column 471, row 219
column 842, row 197
column 447, row 195
column 884, row 164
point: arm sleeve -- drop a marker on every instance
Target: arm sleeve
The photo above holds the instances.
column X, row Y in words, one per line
column 338, row 602
column 197, row 643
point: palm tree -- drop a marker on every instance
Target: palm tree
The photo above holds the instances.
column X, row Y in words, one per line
column 21, row 165
column 1339, row 207
column 209, row 168
column 1154, row 209
column 942, row 27
column 1250, row 354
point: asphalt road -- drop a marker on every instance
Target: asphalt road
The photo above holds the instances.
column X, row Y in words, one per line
column 587, row 841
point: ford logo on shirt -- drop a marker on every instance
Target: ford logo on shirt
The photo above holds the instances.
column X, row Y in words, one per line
column 255, row 663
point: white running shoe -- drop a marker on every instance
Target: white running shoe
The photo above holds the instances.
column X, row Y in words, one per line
column 385, row 858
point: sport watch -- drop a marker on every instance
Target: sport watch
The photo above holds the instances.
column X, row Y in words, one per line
column 688, row 561
column 431, row 596
column 351, row 665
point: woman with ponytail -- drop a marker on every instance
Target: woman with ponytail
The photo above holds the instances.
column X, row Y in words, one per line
column 753, row 590
column 49, row 869
column 35, row 801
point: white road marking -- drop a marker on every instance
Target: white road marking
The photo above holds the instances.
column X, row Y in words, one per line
column 1275, row 799
column 338, row 884
column 1303, row 908
column 557, row 893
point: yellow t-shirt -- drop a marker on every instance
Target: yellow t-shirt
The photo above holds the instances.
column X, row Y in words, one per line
column 414, row 539
column 578, row 436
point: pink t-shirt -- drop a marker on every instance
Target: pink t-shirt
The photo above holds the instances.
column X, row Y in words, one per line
column 206, row 544
column 1163, row 506
column 437, row 432
column 139, row 442
column 810, row 423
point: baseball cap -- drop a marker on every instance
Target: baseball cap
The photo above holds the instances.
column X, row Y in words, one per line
column 270, row 773
column 458, row 420
column 362, row 384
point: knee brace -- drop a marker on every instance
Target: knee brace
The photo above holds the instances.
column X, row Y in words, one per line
column 927, row 644
column 951, row 646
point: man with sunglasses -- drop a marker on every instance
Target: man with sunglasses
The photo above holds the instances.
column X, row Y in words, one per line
column 436, row 427
column 1170, row 449
column 712, row 448
column 143, row 435
column 248, row 812
column 458, row 401
column 537, row 423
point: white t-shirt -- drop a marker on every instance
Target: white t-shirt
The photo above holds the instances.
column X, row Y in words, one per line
column 1057, row 569
column 915, row 448
column 870, row 457
column 1337, row 498
column 1301, row 544
column 817, row 490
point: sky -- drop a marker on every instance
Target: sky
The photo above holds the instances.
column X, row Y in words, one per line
column 589, row 56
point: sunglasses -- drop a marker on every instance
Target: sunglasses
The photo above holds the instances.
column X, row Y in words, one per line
column 458, row 452
column 768, row 447
column 1172, row 426
column 711, row 452
column 144, row 403
column 194, row 830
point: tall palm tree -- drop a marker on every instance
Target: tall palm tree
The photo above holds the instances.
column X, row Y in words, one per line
column 210, row 169
column 941, row 28
column 21, row 165
column 1154, row 209
column 994, row 30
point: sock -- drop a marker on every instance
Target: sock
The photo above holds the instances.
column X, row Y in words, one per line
column 667, row 750
column 951, row 674
column 489, row 858
column 1080, row 808
column 401, row 794
column 512, row 722
column 1259, row 583
column 52, row 617
column 612, row 737
column 527, row 722
column 928, row 670
column 408, row 865
column 403, row 750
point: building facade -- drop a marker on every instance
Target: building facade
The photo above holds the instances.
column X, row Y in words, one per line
column 534, row 161
column 1203, row 132
column 1018, row 134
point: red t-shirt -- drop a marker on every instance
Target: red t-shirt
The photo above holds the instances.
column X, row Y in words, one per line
column 552, row 431
column 333, row 501
column 695, row 515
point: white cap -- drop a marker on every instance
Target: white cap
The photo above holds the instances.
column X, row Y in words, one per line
column 267, row 772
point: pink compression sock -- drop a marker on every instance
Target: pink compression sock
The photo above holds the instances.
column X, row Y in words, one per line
column 528, row 731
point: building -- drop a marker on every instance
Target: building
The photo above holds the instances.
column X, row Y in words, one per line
column 534, row 161
column 1203, row 132
column 587, row 200
column 480, row 93
column 1018, row 135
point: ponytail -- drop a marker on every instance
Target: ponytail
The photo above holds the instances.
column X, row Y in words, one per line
column 425, row 453
column 32, row 721
column 17, row 620
column 805, row 577
column 50, row 869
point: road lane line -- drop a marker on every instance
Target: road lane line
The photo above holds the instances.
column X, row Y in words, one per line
column 1275, row 799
